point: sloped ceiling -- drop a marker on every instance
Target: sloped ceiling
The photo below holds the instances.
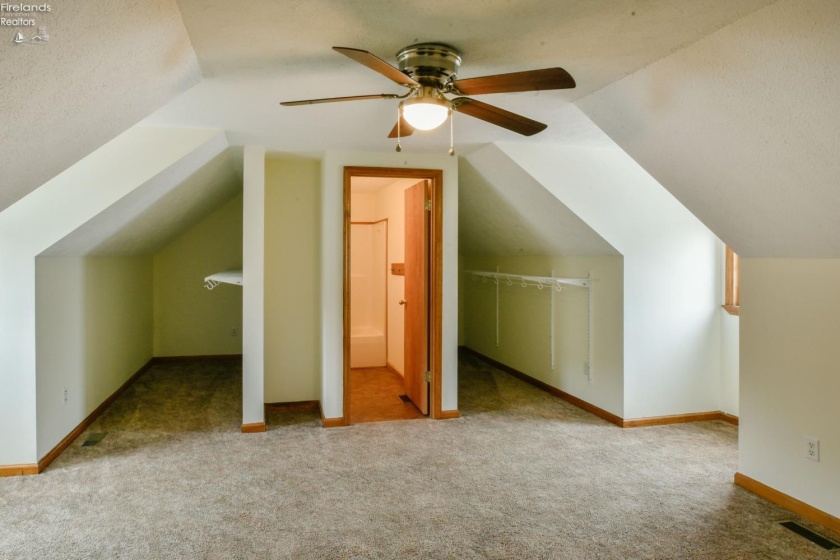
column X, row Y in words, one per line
column 741, row 127
column 106, row 66
column 264, row 52
column 146, row 220
column 502, row 210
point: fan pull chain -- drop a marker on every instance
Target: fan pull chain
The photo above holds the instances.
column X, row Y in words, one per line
column 399, row 118
column 451, row 132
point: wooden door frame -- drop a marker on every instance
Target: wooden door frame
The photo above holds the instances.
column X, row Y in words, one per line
column 435, row 178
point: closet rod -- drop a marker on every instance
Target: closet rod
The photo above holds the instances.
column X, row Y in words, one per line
column 523, row 280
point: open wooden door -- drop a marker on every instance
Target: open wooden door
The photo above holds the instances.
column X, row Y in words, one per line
column 417, row 294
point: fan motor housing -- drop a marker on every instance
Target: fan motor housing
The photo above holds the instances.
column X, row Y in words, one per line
column 431, row 64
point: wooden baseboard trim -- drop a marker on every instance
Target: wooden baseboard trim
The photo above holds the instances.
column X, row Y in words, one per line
column 580, row 403
column 680, row 419
column 730, row 418
column 672, row 419
column 295, row 406
column 600, row 412
column 253, row 428
column 331, row 422
column 788, row 502
column 91, row 418
column 449, row 414
column 18, row 470
column 391, row 367
column 202, row 358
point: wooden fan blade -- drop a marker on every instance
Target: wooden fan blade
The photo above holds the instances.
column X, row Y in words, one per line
column 405, row 129
column 497, row 116
column 336, row 99
column 531, row 80
column 378, row 65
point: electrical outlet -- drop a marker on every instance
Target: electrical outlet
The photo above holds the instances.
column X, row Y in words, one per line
column 812, row 448
column 65, row 395
column 234, row 331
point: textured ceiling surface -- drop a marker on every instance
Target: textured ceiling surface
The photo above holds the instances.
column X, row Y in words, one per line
column 741, row 127
column 274, row 51
column 144, row 221
column 106, row 66
column 502, row 210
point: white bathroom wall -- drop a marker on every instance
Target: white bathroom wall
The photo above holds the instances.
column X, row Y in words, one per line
column 367, row 278
column 362, row 206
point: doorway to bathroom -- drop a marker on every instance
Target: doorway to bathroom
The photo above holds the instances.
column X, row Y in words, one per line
column 392, row 287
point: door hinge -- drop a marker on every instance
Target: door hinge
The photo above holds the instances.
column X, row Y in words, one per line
column 428, row 376
column 429, row 205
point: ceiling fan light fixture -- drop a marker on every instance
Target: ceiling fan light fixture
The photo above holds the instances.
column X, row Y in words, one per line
column 425, row 113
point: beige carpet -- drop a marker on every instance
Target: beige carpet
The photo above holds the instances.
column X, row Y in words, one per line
column 521, row 475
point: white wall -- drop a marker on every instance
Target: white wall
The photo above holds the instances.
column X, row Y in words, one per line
column 94, row 330
column 729, row 351
column 332, row 266
column 292, row 278
column 672, row 273
column 729, row 358
column 253, row 281
column 790, row 327
column 525, row 329
column 190, row 320
column 147, row 157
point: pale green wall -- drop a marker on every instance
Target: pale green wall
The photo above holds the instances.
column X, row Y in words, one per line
column 94, row 330
column 292, row 279
column 190, row 320
column 525, row 323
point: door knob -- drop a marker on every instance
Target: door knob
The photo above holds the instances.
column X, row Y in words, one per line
column 402, row 302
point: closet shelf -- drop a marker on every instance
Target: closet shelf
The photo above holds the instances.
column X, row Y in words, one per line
column 224, row 277
column 522, row 280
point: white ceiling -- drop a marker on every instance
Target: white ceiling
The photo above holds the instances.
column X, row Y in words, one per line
column 106, row 66
column 741, row 127
column 146, row 220
column 502, row 210
column 266, row 51
column 728, row 105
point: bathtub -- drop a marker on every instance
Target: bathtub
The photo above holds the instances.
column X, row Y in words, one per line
column 367, row 347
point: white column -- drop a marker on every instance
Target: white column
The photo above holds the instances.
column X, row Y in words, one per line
column 17, row 355
column 253, row 280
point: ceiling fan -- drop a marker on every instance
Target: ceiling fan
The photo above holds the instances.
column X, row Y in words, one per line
column 429, row 71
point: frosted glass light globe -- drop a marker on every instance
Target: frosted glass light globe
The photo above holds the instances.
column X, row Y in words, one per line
column 425, row 115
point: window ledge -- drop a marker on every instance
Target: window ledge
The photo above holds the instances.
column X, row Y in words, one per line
column 732, row 309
